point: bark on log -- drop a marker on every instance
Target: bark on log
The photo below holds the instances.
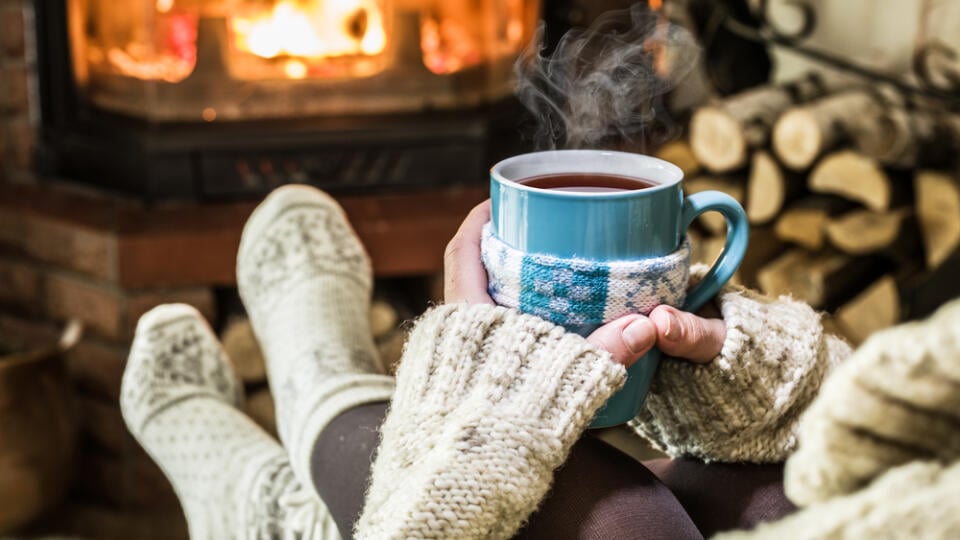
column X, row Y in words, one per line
column 825, row 279
column 804, row 223
column 769, row 188
column 910, row 138
column 938, row 211
column 803, row 133
column 722, row 133
column 714, row 222
column 859, row 178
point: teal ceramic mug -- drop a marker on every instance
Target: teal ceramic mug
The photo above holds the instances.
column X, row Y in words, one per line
column 611, row 226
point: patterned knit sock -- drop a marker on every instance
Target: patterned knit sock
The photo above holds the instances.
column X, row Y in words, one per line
column 179, row 399
column 306, row 281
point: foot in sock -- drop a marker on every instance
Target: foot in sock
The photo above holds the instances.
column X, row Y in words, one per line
column 305, row 281
column 179, row 398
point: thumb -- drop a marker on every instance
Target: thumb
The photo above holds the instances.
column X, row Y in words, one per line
column 687, row 336
column 626, row 339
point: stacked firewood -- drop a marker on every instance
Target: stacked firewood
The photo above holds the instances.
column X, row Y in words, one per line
column 852, row 193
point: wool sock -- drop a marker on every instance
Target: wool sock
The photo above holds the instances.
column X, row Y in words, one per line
column 179, row 398
column 305, row 281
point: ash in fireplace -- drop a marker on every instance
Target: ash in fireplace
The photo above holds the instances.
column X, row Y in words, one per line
column 599, row 87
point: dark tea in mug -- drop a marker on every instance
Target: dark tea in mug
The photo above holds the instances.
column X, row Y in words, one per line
column 587, row 182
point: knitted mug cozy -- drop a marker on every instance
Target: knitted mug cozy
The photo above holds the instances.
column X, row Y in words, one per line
column 575, row 292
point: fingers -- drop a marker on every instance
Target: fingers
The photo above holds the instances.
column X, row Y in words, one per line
column 687, row 336
column 626, row 339
column 464, row 278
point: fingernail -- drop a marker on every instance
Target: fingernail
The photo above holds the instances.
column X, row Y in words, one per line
column 672, row 332
column 639, row 335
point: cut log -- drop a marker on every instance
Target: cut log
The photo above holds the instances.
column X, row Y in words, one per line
column 764, row 247
column 938, row 211
column 874, row 309
column 722, row 133
column 243, row 350
column 803, row 133
column 769, row 188
column 714, row 221
column 383, row 318
column 825, row 280
column 857, row 177
column 910, row 138
column 680, row 154
column 923, row 290
column 804, row 223
column 860, row 232
column 262, row 410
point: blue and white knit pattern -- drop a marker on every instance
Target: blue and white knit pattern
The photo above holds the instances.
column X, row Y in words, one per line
column 577, row 292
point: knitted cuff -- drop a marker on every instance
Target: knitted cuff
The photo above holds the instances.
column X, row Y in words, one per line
column 745, row 403
column 917, row 500
column 577, row 292
column 895, row 400
column 488, row 403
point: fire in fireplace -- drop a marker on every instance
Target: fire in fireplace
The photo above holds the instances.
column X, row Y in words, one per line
column 193, row 60
column 209, row 99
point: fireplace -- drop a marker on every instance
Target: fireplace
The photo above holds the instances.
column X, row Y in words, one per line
column 220, row 99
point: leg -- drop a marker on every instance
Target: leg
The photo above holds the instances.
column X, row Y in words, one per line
column 599, row 493
column 725, row 496
column 342, row 460
column 179, row 398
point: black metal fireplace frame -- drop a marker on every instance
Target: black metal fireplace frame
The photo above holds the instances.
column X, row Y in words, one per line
column 236, row 160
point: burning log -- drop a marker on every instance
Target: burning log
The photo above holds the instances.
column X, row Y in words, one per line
column 721, row 134
column 769, row 187
column 856, row 177
column 803, row 133
column 805, row 222
column 938, row 210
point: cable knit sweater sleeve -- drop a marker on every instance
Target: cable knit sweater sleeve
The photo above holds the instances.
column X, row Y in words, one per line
column 487, row 406
column 743, row 405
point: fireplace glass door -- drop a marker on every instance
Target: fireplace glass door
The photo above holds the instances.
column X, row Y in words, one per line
column 215, row 60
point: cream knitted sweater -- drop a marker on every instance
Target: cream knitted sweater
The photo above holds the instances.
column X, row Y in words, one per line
column 489, row 402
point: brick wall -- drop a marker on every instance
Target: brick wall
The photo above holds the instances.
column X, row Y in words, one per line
column 18, row 101
column 53, row 269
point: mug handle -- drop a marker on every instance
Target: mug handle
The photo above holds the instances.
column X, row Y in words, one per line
column 738, row 233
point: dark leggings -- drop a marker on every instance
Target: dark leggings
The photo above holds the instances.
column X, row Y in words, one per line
column 599, row 492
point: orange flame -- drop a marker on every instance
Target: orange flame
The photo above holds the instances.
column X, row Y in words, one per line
column 319, row 29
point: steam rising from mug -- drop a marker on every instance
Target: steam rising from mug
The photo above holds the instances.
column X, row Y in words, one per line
column 598, row 88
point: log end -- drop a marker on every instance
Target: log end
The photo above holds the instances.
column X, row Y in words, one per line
column 717, row 140
column 797, row 139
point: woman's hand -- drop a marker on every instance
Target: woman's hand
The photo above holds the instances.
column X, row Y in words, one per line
column 677, row 333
